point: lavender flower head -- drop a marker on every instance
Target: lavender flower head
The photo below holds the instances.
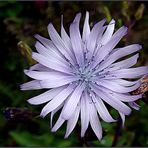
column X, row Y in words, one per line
column 80, row 73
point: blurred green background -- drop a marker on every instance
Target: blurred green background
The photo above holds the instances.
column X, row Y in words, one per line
column 19, row 21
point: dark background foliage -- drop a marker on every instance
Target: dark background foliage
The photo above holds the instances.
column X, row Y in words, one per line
column 19, row 21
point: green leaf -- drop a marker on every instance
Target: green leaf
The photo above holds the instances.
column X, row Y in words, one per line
column 28, row 139
column 107, row 140
column 24, row 139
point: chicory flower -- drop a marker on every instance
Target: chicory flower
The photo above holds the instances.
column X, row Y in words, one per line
column 80, row 73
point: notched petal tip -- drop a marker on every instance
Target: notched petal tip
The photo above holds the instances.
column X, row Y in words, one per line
column 37, row 44
column 79, row 14
column 30, row 101
column 87, row 15
column 114, row 120
column 36, row 36
column 77, row 17
column 50, row 26
column 43, row 114
column 62, row 17
column 103, row 20
column 34, row 54
column 125, row 28
column 53, row 130
column 86, row 11
column 82, row 134
column 73, row 24
column 122, row 125
column 66, row 136
column 137, row 56
column 112, row 21
column 128, row 112
column 26, row 71
column 28, row 86
column 99, row 138
column 21, row 87
column 140, row 46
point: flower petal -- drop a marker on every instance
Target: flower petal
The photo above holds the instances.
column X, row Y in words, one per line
column 124, row 51
column 107, row 48
column 73, row 101
column 116, row 87
column 84, row 114
column 45, row 75
column 77, row 18
column 71, row 123
column 123, row 97
column 59, row 81
column 93, row 36
column 50, row 46
column 134, row 105
column 111, row 100
column 86, row 28
column 51, row 63
column 66, row 39
column 55, row 102
column 119, row 53
column 109, row 32
column 77, row 22
column 42, row 49
column 59, row 43
column 123, row 118
column 60, row 120
column 39, row 67
column 46, row 42
column 65, row 36
column 99, row 38
column 127, row 98
column 31, row 85
column 119, row 65
column 53, row 112
column 128, row 73
column 46, row 96
column 94, row 120
column 77, row 43
column 58, row 124
column 102, row 110
column 50, row 53
column 127, row 62
column 125, row 82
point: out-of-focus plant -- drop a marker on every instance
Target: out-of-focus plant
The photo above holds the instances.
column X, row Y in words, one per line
column 26, row 51
column 107, row 14
column 124, row 10
column 139, row 13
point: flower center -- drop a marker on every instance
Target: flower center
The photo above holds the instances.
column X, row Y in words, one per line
column 83, row 74
column 84, row 77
